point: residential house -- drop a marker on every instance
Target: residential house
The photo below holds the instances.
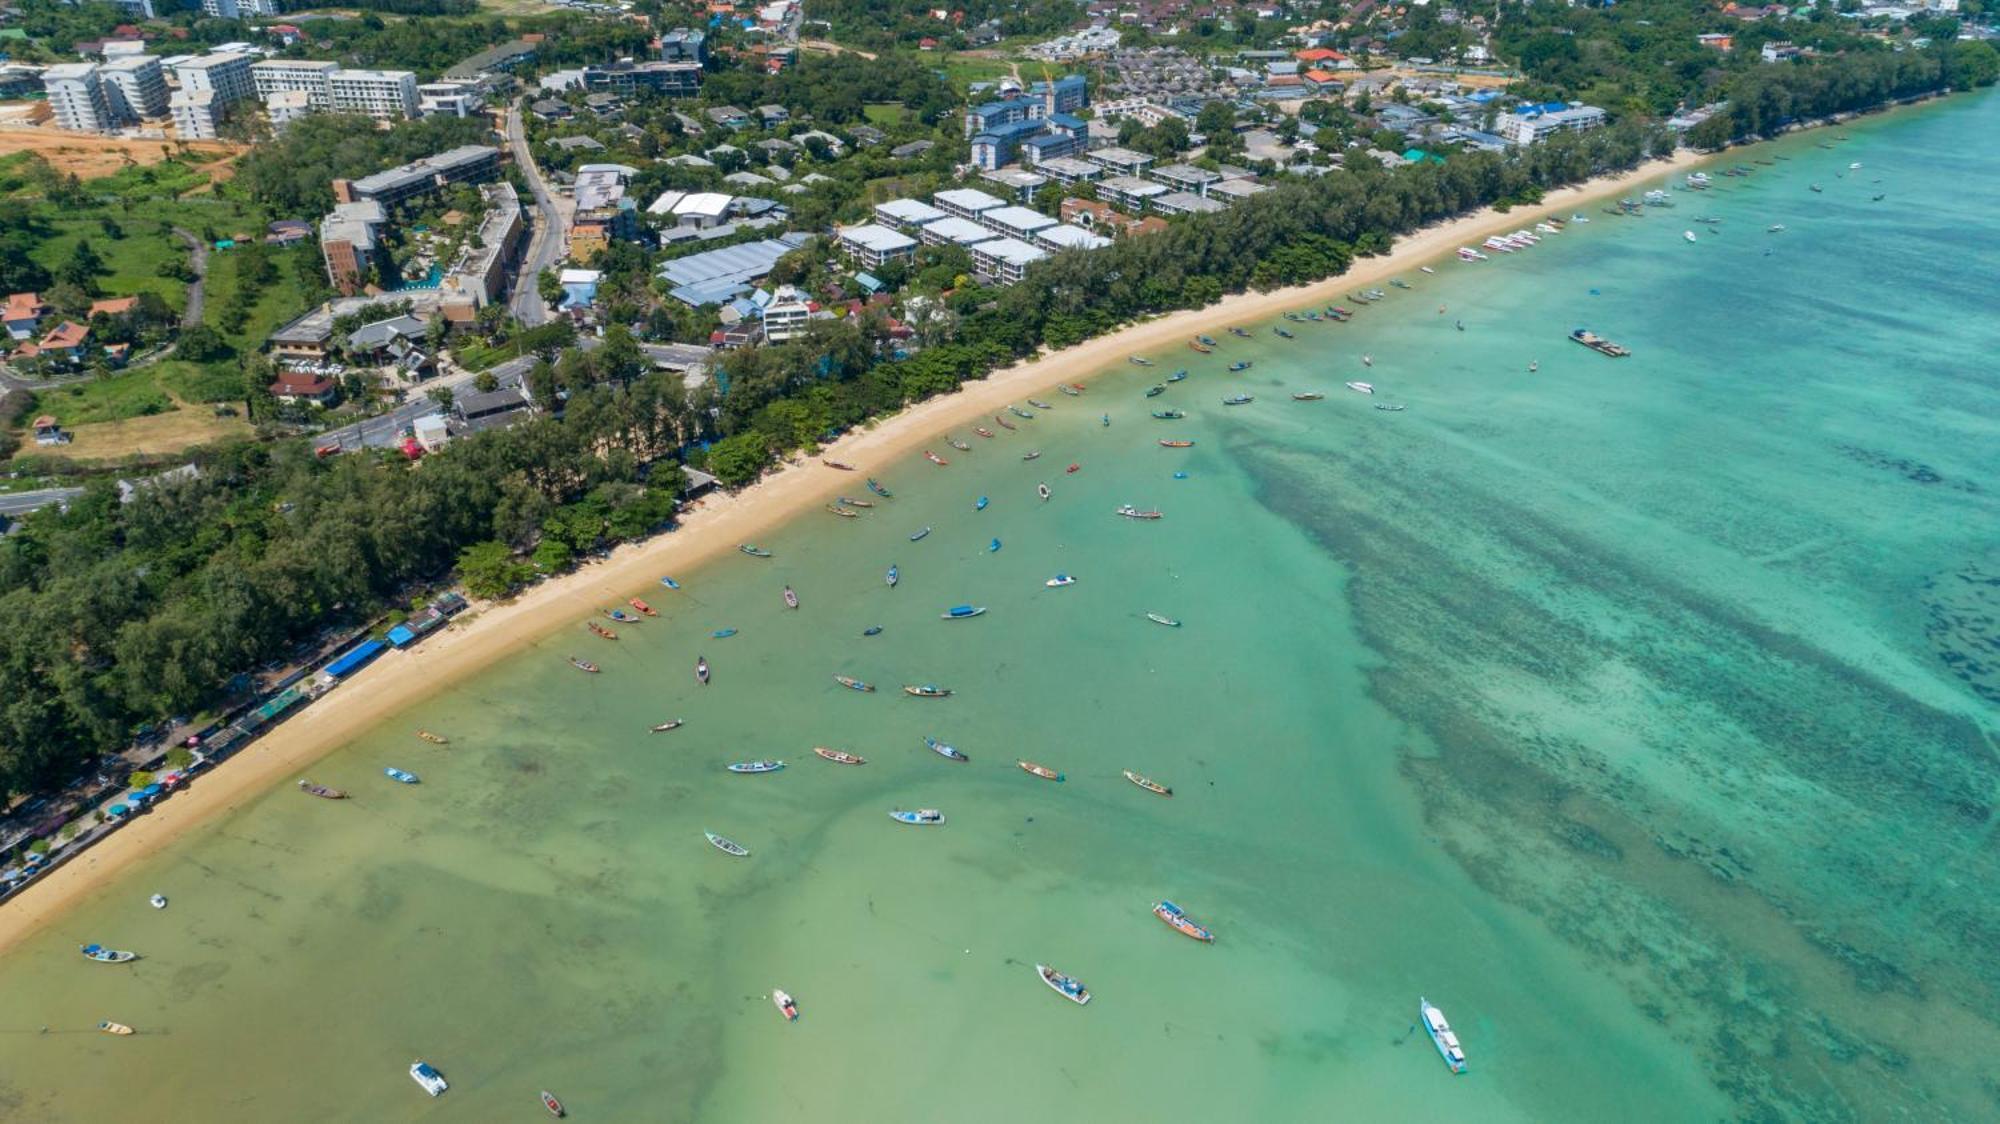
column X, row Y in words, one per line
column 298, row 386
column 48, row 431
column 69, row 343
column 22, row 315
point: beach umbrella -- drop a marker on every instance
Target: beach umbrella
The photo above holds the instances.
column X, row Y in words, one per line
column 151, row 791
column 117, row 810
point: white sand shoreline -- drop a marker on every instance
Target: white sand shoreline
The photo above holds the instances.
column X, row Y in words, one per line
column 714, row 526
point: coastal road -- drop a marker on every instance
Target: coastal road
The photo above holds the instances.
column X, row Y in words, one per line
column 545, row 242
column 15, row 504
column 385, row 431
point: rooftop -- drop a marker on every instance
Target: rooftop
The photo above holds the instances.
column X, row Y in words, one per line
column 880, row 239
column 968, row 199
column 1013, row 251
column 1018, row 218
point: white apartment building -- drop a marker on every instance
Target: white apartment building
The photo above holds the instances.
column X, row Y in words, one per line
column 225, row 75
column 1535, row 128
column 239, row 9
column 135, row 87
column 286, row 106
column 449, row 99
column 386, row 95
column 311, row 77
column 195, row 114
column 76, row 96
column 787, row 316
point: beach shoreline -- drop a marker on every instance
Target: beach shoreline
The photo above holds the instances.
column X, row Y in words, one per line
column 714, row 526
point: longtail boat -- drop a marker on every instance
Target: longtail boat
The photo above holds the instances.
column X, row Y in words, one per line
column 321, row 791
column 957, row 444
column 982, row 431
column 848, row 502
column 837, row 464
column 934, row 458
column 1002, row 422
column 839, row 756
column 754, row 551
column 583, row 665
column 434, row 739
column 843, row 512
column 727, row 846
column 878, row 489
column 1042, row 771
column 927, row 691
column 1172, row 915
column 1166, row 444
column 853, row 684
column 600, row 630
column 1148, row 783
column 1199, row 346
column 643, row 607
column 701, row 670
column 670, row 724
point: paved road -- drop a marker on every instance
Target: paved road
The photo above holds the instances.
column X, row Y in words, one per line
column 545, row 242
column 198, row 260
column 21, row 503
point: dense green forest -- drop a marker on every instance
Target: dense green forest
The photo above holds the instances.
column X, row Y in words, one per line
column 116, row 613
column 888, row 23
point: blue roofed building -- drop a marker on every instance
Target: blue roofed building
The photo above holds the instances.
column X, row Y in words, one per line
column 1066, row 95
column 996, row 147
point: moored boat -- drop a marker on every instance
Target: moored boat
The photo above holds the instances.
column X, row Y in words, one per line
column 1238, row 400
column 1201, row 347
column 747, row 767
column 104, row 955
column 1284, row 333
column 581, row 665
column 1240, row 365
column 920, row 534
column 837, row 464
column 723, row 633
column 1139, row 360
column 1361, row 387
column 840, row 756
column 157, row 901
column 1172, row 915
column 1068, row 987
column 791, row 598
column 1147, row 783
column 961, row 612
column 876, row 487
column 949, row 753
column 1171, row 444
column 621, row 616
column 428, row 1078
column 1158, row 619
column 701, row 668
column 980, row 503
column 600, row 630
column 1156, row 390
column 754, row 551
column 782, row 1000
column 1042, row 490
column 1130, row 512
column 726, row 846
column 400, row 776
column 853, row 684
column 893, row 576
column 1441, row 1035
column 1308, row 396
column 1003, row 423
column 1177, row 376
column 983, row 431
column 109, row 1027
column 922, row 817
column 1039, row 404
column 1170, row 415
column 1059, row 581
column 1599, row 344
column 1036, row 454
column 323, row 792
column 934, row 458
column 1389, row 408
column 844, row 513
column 669, row 724
column 434, row 739
column 957, row 444
column 643, row 607
column 554, row 1106
column 1019, row 412
column 926, row 690
column 1240, row 333
column 1042, row 771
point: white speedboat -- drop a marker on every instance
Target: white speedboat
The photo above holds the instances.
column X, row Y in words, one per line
column 1059, row 581
column 158, row 901
column 430, row 1079
column 1363, row 387
column 1688, row 234
column 1441, row 1035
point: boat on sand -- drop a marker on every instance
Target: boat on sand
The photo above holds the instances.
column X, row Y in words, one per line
column 321, row 791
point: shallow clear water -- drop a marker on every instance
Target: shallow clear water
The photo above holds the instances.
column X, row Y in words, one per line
column 1639, row 713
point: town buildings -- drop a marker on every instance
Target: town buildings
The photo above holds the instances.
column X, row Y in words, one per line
column 76, row 97
column 135, row 87
column 1533, row 124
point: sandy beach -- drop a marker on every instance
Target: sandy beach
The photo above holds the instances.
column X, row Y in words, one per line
column 716, row 525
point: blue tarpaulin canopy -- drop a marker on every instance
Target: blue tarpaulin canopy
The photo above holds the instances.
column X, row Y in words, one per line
column 117, row 810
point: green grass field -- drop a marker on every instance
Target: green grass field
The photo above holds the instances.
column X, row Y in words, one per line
column 126, row 394
column 276, row 302
column 887, row 114
column 131, row 263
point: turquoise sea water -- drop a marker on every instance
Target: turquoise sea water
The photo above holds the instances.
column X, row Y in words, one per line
column 1640, row 713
